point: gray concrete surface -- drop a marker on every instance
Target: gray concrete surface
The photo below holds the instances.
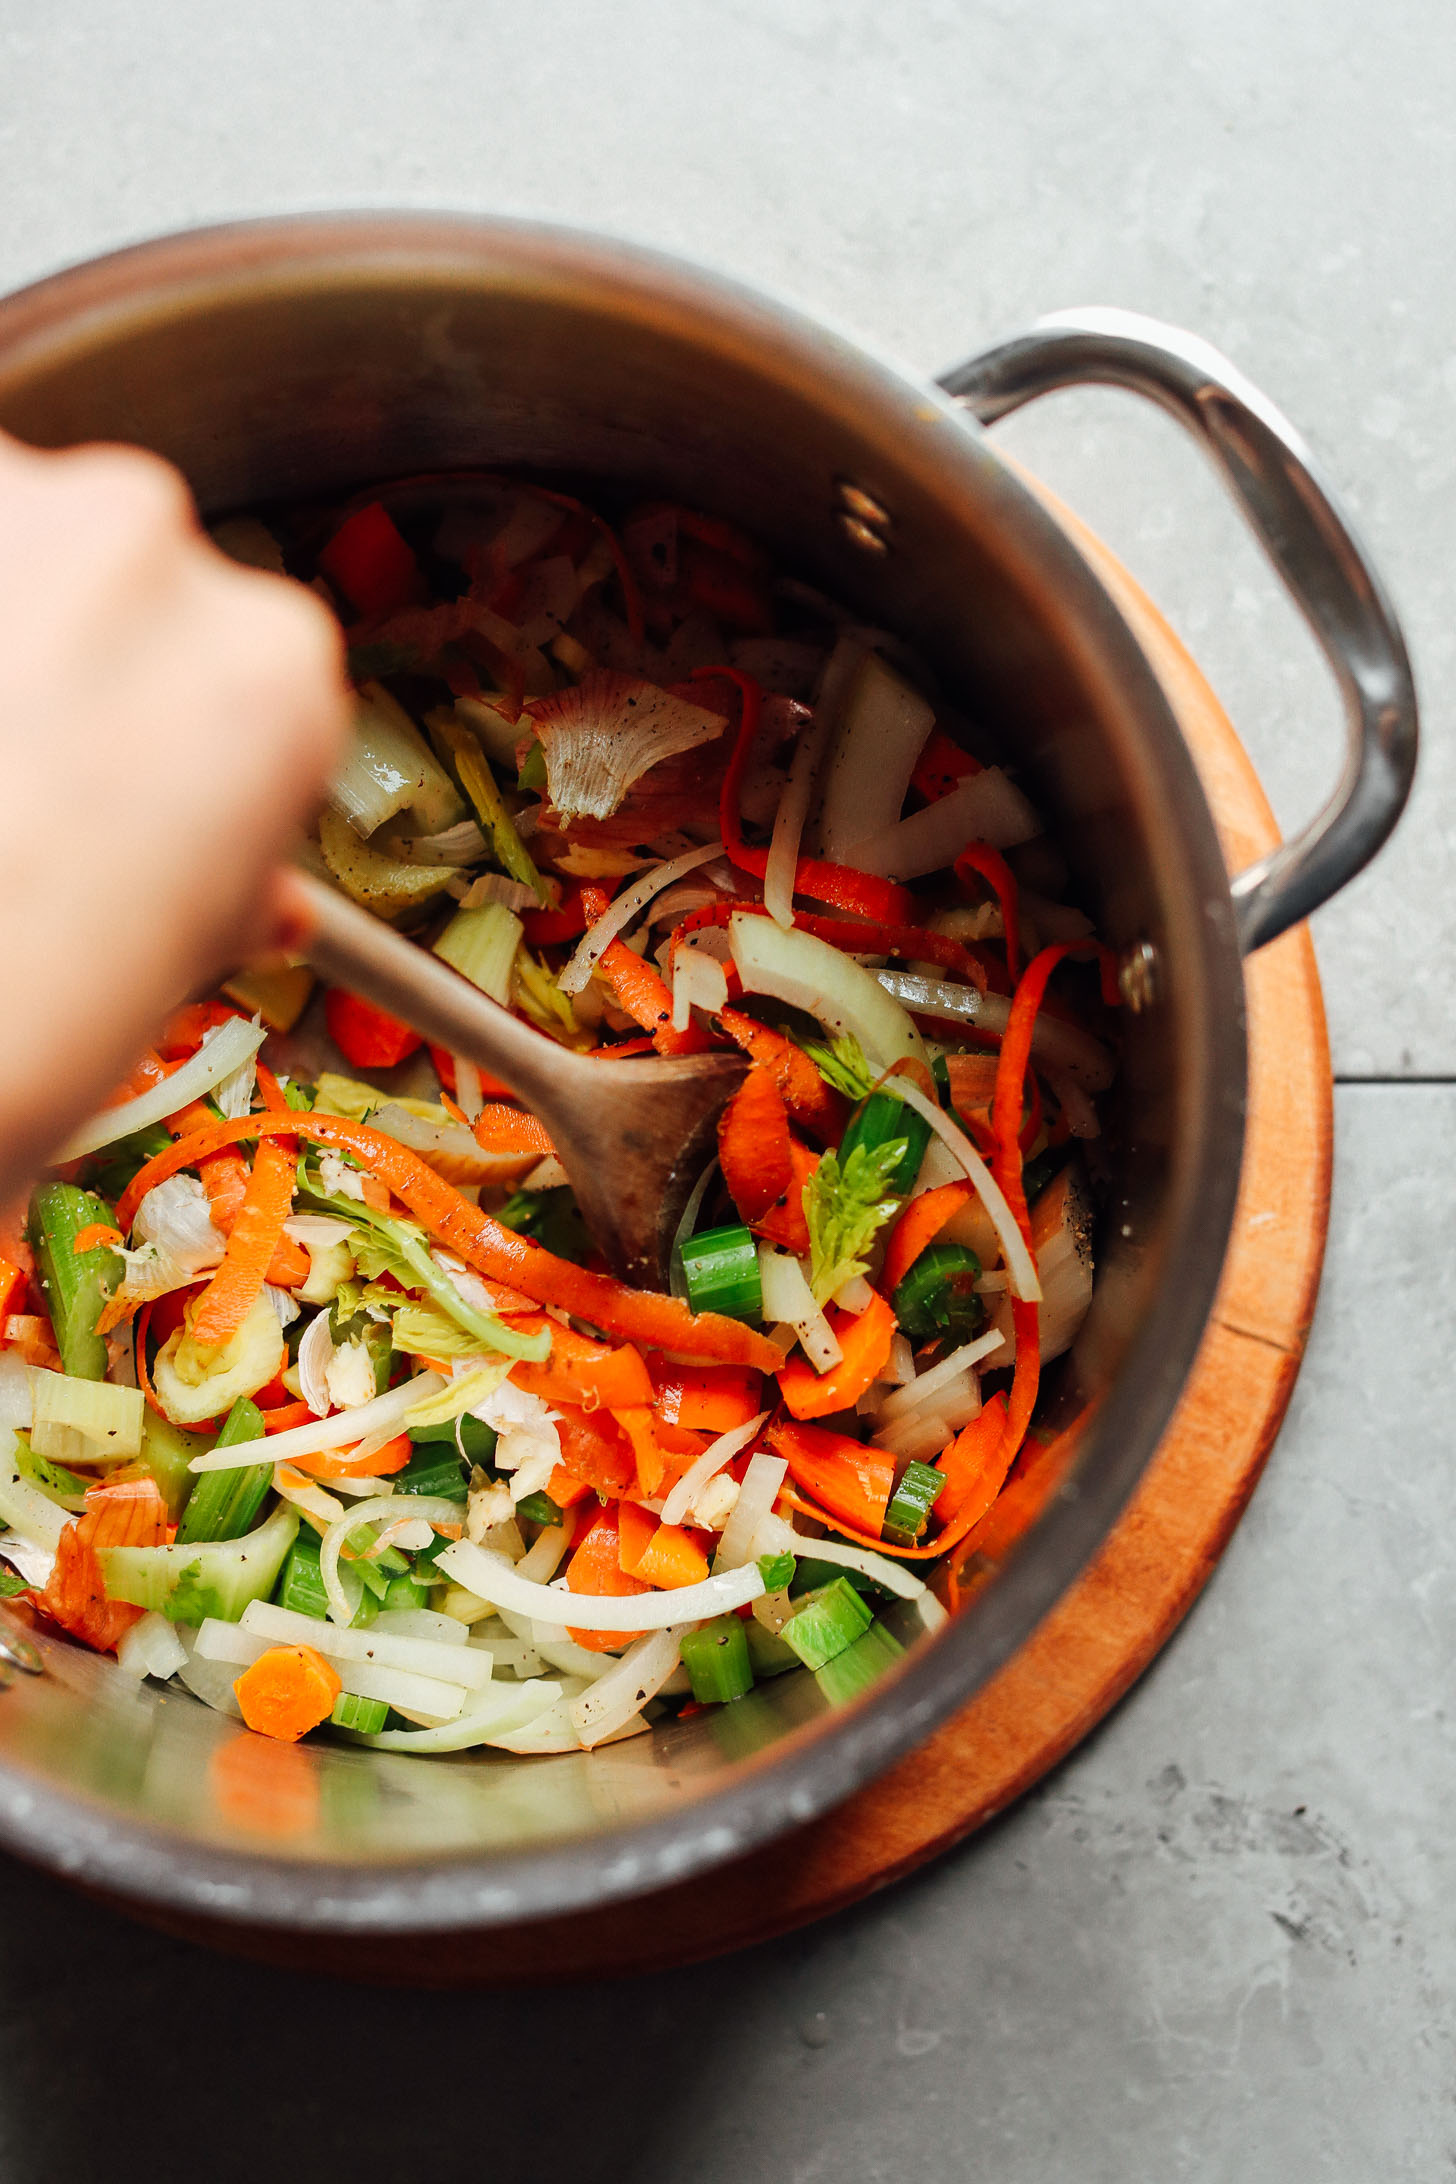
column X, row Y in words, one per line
column 1220, row 1943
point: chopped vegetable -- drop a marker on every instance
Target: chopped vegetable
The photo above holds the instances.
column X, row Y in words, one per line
column 366, row 1036
column 826, row 1623
column 75, row 1284
column 720, row 1267
column 915, row 1495
column 192, row 1581
column 225, row 1504
column 287, row 1691
column 846, row 1206
column 715, row 1656
column 938, row 1299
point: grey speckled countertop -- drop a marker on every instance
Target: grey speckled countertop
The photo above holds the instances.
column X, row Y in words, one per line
column 1220, row 1943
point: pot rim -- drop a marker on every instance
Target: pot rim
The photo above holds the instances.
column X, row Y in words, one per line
column 89, row 303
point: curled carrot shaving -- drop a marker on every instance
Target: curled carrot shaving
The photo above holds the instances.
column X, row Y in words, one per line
column 94, row 1233
column 918, row 1226
column 754, row 1146
column 639, row 988
column 637, row 1315
column 238, row 1283
column 989, row 864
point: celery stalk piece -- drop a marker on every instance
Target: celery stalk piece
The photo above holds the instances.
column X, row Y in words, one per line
column 224, row 1504
column 767, row 1653
column 716, row 1659
column 826, row 1623
column 76, row 1284
column 859, row 1665
column 300, row 1584
column 481, row 945
column 366, row 1716
column 189, row 1583
column 85, row 1421
column 167, row 1450
column 378, row 880
column 479, row 784
column 390, row 769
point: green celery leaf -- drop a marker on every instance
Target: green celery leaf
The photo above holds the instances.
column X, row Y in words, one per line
column 842, row 1064
column 846, row 1207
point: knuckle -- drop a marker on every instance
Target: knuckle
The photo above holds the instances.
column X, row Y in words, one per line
column 141, row 488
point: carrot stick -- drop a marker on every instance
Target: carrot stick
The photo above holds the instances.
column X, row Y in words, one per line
column 864, row 1338
column 596, row 1567
column 919, row 1225
column 637, row 1315
column 975, row 1465
column 287, row 1691
column 754, row 1147
column 811, row 1102
column 851, row 1479
column 639, row 988
column 238, row 1283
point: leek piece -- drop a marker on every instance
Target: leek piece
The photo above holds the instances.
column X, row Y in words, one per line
column 167, row 1450
column 720, row 1267
column 380, row 882
column 347, row 1096
column 479, row 784
column 826, row 1623
column 390, row 769
column 76, row 1284
column 481, row 945
column 914, row 1497
column 716, row 1659
column 215, row 1578
column 278, row 996
column 224, row 1504
column 85, row 1421
column 884, row 1117
column 859, row 1665
column 366, row 1716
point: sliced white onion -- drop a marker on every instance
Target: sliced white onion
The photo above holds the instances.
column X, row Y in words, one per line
column 234, row 1095
column 151, row 1648
column 495, row 887
column 787, row 1297
column 620, row 1695
column 390, row 1409
column 840, row 670
column 776, row 1537
column 34, row 1563
column 504, row 1711
column 761, row 1482
column 468, row 1096
column 901, row 1364
column 986, row 807
column 1019, row 1263
column 315, row 1355
column 17, row 1403
column 855, row 1295
column 542, row 1557
column 1076, row 1105
column 316, row 1231
column 225, row 1048
column 422, row 1653
column 920, row 1438
column 620, row 913
column 919, row 1391
column 492, row 1577
column 427, row 1509
column 831, row 986
column 718, row 1453
column 698, row 982
column 308, row 1495
column 561, row 1652
column 884, row 728
column 428, row 1695
column 1054, row 1043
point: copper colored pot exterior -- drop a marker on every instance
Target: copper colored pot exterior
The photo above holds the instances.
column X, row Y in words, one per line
column 298, row 358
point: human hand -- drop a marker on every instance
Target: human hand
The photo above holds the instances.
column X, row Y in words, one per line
column 168, row 725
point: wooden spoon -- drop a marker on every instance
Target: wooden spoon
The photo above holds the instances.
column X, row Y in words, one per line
column 633, row 1136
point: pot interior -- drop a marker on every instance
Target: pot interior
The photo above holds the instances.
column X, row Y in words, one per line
column 299, row 359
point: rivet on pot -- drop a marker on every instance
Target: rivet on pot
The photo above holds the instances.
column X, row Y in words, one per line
column 864, row 520
column 1137, row 977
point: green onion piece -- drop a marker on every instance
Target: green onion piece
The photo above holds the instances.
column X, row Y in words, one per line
column 540, row 1508
column 367, row 1716
column 777, row 1571
column 882, row 1118
column 826, row 1623
column 720, row 1267
column 859, row 1665
column 716, row 1659
column 76, row 1283
column 223, row 1504
column 767, row 1653
column 532, row 773
column 911, row 1503
column 301, row 1587
column 937, row 1296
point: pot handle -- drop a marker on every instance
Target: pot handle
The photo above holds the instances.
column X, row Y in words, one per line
column 1296, row 519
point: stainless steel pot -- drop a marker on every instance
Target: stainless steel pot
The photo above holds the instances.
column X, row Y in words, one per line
column 298, row 357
